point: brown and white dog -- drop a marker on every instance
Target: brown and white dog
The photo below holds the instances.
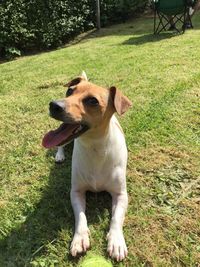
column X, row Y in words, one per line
column 99, row 156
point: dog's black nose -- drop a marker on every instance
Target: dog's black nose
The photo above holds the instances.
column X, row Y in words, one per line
column 56, row 107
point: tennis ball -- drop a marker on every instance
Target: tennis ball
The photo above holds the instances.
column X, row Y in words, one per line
column 95, row 261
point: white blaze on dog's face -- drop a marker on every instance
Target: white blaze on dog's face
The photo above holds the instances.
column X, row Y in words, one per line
column 85, row 107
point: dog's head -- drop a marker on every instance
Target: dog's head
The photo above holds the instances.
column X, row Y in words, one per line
column 86, row 107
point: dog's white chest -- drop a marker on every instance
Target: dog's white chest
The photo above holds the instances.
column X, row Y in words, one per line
column 100, row 165
column 98, row 153
column 91, row 167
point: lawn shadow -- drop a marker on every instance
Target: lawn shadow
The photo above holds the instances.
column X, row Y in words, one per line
column 149, row 38
column 51, row 219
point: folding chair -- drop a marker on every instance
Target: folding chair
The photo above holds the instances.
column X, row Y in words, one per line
column 170, row 12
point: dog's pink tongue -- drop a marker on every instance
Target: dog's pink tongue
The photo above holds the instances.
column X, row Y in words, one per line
column 56, row 137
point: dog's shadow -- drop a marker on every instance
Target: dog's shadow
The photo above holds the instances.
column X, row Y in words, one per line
column 50, row 219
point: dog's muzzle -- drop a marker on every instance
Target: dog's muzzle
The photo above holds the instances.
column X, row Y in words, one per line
column 56, row 106
column 57, row 109
column 67, row 131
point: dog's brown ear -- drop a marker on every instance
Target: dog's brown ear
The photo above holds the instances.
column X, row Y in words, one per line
column 77, row 80
column 120, row 101
column 73, row 82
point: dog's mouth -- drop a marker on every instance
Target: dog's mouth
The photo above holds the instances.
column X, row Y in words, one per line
column 63, row 134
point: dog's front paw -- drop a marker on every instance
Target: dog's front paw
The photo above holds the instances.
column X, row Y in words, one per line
column 60, row 155
column 80, row 243
column 116, row 245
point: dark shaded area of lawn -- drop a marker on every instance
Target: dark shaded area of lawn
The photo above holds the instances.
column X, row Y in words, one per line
column 51, row 215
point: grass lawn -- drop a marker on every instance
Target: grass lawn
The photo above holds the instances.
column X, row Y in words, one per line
column 161, row 75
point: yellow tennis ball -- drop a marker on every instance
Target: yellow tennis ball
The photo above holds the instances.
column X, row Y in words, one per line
column 95, row 261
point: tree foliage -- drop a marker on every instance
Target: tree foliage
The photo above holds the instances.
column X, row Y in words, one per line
column 41, row 24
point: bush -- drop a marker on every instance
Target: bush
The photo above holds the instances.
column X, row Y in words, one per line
column 42, row 24
column 113, row 11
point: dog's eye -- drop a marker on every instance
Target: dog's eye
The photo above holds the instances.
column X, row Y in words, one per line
column 69, row 92
column 91, row 101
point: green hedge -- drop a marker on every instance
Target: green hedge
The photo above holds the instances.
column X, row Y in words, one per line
column 42, row 24
column 119, row 10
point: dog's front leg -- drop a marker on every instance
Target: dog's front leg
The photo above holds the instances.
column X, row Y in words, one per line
column 116, row 244
column 60, row 155
column 80, row 242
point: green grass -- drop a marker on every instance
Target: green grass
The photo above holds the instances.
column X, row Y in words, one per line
column 161, row 75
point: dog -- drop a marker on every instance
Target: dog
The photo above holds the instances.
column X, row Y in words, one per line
column 99, row 156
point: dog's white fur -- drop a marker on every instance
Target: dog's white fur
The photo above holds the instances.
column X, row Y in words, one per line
column 99, row 164
column 60, row 155
column 89, row 158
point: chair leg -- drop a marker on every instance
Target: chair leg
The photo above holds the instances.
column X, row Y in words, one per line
column 154, row 27
column 164, row 22
column 161, row 26
column 180, row 18
column 184, row 20
column 189, row 17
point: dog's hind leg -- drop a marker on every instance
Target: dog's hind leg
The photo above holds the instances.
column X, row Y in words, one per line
column 60, row 155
